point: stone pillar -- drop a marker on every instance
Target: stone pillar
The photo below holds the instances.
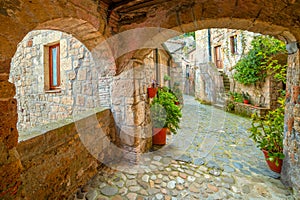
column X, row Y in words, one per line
column 290, row 174
column 10, row 164
column 131, row 110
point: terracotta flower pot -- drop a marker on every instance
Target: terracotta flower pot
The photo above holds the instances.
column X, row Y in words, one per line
column 246, row 101
column 159, row 136
column 151, row 92
column 272, row 164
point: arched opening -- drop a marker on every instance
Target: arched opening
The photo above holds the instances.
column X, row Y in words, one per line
column 55, row 78
column 19, row 17
column 75, row 58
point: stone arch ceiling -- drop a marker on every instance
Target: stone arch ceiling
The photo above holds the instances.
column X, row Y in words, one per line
column 85, row 20
column 265, row 16
column 89, row 20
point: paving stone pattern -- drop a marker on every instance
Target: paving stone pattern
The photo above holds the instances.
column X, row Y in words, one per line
column 210, row 158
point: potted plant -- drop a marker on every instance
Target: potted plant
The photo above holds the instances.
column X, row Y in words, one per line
column 152, row 90
column 246, row 97
column 267, row 132
column 238, row 97
column 231, row 95
column 177, row 92
column 165, row 115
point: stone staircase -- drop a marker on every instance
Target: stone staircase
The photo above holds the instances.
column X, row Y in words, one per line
column 226, row 82
column 221, row 98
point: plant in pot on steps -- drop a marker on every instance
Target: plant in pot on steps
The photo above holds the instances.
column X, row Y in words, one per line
column 165, row 115
column 267, row 132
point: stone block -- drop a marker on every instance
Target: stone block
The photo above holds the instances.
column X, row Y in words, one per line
column 75, row 64
column 127, row 136
column 67, row 100
column 66, row 63
column 56, row 99
column 129, row 116
column 139, row 111
column 82, row 74
column 63, row 48
column 87, row 89
column 80, row 100
column 71, row 75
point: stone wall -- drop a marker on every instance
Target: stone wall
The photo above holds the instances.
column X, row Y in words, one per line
column 82, row 86
column 88, row 20
column 208, row 84
column 290, row 174
column 163, row 62
column 177, row 76
column 244, row 109
column 130, row 108
column 264, row 94
column 56, row 163
column 130, row 102
column 210, row 87
column 11, row 166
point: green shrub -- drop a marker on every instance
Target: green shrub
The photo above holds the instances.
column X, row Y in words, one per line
column 267, row 132
column 164, row 112
column 253, row 67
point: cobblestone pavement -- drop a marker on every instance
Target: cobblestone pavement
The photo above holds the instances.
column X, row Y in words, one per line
column 211, row 157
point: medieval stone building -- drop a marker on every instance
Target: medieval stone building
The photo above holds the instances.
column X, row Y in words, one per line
column 79, row 88
column 118, row 35
column 218, row 51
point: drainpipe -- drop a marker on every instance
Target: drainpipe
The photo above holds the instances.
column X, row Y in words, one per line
column 209, row 45
column 169, row 70
column 156, row 66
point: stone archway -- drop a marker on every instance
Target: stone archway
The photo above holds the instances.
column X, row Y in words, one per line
column 82, row 20
column 267, row 17
column 87, row 20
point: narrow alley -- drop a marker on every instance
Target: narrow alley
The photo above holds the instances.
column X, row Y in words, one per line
column 211, row 157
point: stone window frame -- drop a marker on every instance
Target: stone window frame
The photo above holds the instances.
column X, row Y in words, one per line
column 49, row 88
column 233, row 44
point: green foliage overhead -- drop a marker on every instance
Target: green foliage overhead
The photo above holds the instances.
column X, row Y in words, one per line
column 189, row 34
column 259, row 62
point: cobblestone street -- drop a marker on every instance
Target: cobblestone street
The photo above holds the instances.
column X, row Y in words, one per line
column 211, row 157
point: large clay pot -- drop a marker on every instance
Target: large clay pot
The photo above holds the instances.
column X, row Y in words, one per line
column 271, row 164
column 246, row 101
column 159, row 136
column 151, row 92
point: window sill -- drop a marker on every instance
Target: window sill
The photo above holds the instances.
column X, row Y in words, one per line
column 53, row 91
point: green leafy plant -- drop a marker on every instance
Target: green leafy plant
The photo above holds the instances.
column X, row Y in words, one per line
column 255, row 65
column 238, row 97
column 177, row 92
column 164, row 112
column 230, row 107
column 167, row 77
column 267, row 132
column 158, row 115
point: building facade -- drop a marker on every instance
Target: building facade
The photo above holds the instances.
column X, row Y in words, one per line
column 218, row 51
column 55, row 78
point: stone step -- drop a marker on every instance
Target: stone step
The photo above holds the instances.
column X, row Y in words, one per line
column 219, row 106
